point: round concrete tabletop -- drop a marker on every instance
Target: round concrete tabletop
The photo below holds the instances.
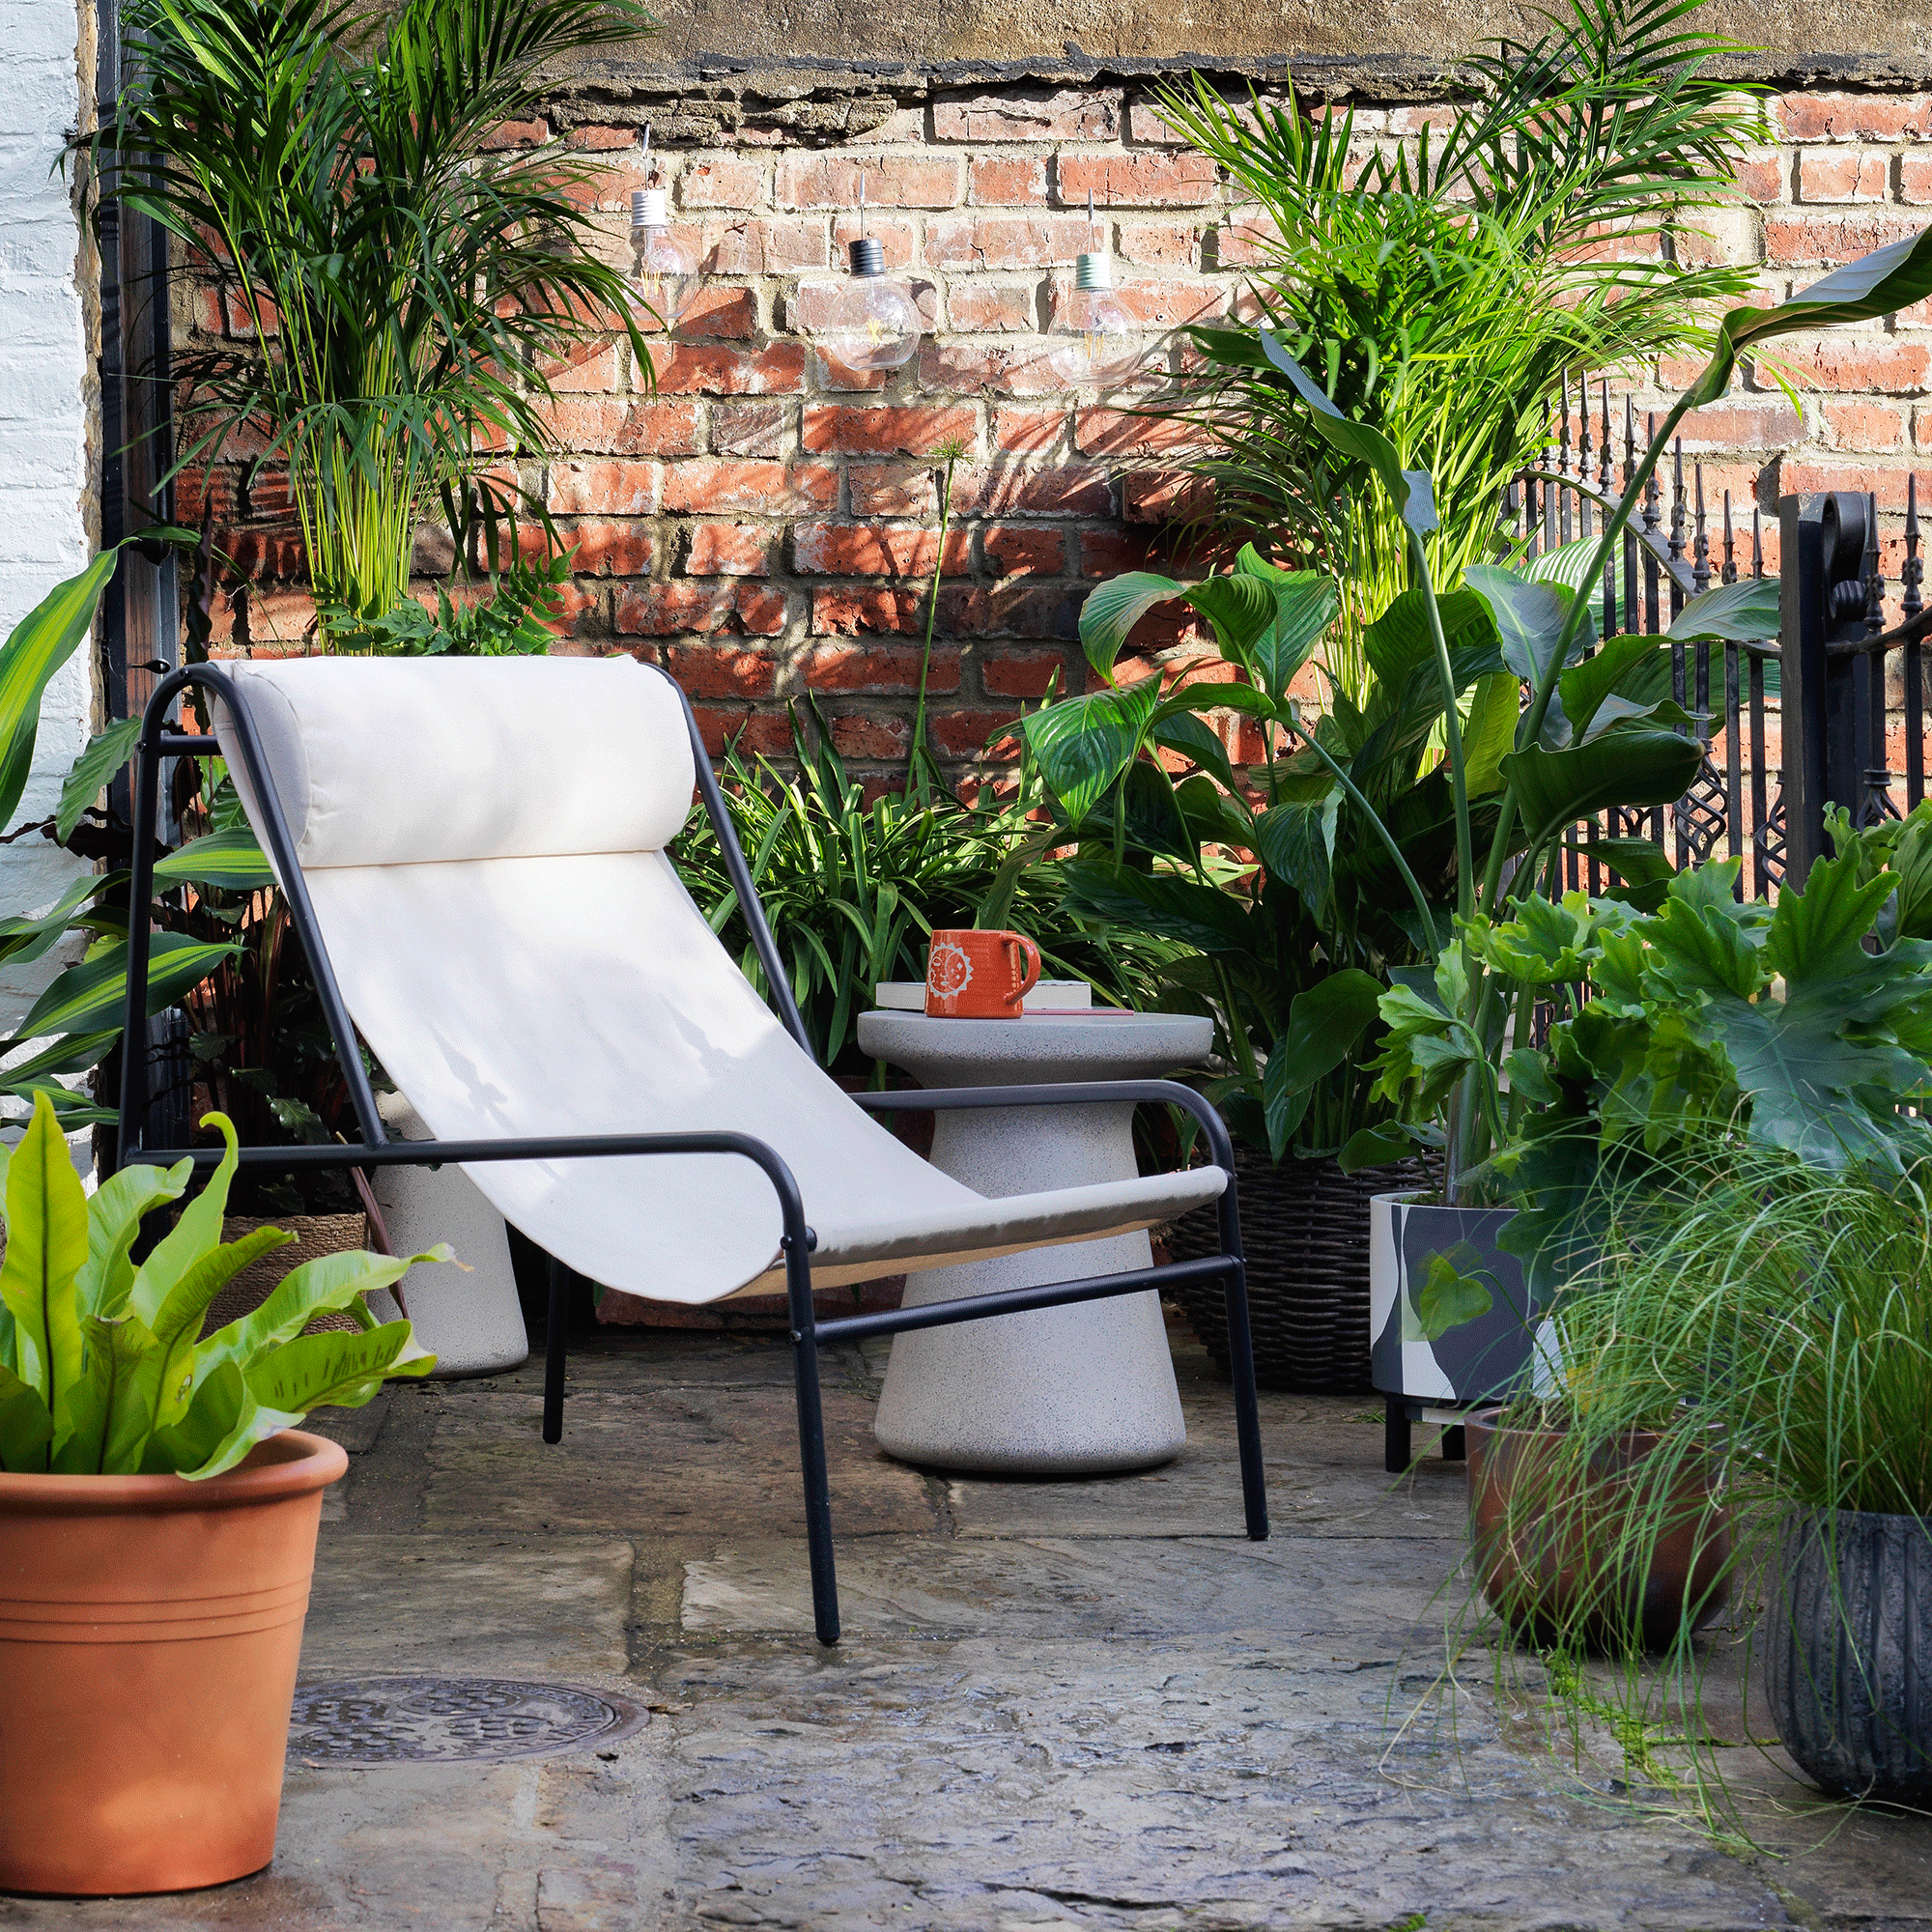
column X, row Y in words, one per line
column 1103, row 1044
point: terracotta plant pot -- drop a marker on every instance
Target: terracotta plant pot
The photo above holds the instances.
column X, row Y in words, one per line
column 149, row 1630
column 1545, row 1541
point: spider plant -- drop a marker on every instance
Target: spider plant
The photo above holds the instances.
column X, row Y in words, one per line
column 404, row 285
column 1443, row 292
column 854, row 889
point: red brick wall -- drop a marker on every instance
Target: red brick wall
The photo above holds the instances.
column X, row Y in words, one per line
column 764, row 531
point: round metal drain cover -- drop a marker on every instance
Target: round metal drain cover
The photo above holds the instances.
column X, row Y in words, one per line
column 451, row 1720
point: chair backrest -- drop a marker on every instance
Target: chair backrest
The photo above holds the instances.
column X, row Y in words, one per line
column 482, row 841
column 467, row 757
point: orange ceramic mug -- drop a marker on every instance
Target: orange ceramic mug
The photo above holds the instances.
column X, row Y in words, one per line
column 980, row 976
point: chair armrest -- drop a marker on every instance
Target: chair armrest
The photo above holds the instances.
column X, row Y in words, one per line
column 1062, row 1094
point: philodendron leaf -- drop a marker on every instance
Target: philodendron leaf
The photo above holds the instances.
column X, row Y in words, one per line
column 41, row 641
column 46, row 1245
column 106, row 754
column 1875, row 285
column 1628, row 766
column 26, row 1429
column 1410, row 491
column 230, row 860
column 1083, row 744
column 1447, row 1300
column 1744, row 612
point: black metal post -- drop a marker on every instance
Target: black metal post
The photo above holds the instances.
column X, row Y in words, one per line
column 1803, row 705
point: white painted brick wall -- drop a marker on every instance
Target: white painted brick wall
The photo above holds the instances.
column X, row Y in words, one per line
column 43, row 402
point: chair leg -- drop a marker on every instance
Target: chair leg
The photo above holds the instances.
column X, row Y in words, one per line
column 1395, row 1438
column 1247, row 1412
column 811, row 1454
column 556, row 1342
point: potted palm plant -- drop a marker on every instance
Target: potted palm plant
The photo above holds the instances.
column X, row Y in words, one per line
column 157, row 1519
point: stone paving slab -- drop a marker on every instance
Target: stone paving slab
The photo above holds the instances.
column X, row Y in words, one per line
column 1087, row 1705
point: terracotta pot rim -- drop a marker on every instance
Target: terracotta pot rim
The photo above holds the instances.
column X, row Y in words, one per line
column 290, row 1463
column 1483, row 1419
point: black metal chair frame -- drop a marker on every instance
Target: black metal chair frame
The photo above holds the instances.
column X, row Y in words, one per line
column 161, row 740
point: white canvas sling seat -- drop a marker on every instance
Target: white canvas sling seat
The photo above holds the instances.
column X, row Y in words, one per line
column 483, row 842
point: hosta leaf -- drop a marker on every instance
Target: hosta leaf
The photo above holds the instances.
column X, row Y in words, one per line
column 1083, row 744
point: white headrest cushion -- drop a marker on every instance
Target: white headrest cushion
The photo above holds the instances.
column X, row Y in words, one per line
column 388, row 761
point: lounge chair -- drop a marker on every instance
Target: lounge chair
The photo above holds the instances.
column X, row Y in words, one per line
column 472, row 854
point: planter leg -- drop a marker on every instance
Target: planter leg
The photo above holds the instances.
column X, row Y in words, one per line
column 1454, row 1449
column 557, row 1341
column 1395, row 1438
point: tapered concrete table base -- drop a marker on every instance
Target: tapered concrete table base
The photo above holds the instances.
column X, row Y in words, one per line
column 1060, row 1391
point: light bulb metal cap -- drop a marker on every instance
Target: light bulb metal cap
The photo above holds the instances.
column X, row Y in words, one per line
column 869, row 258
column 1094, row 272
column 648, row 207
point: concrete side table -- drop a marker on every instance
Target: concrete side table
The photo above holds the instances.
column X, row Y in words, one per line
column 1060, row 1391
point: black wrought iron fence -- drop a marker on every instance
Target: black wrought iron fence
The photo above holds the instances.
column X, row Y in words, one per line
column 1787, row 723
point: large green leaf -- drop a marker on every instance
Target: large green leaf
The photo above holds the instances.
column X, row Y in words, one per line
column 1410, row 491
column 46, row 1245
column 223, row 1422
column 1113, row 609
column 106, row 754
column 336, row 1368
column 1529, row 616
column 1296, row 843
column 1240, row 608
column 1875, row 285
column 114, row 1215
column 230, row 860
column 1629, row 766
column 168, row 1374
column 1570, row 564
column 1305, row 603
column 30, row 936
column 41, row 641
column 1165, row 906
column 1181, row 731
column 1742, row 612
column 94, row 994
column 26, row 1429
column 1635, row 669
column 103, row 1423
column 318, row 1287
column 1325, row 1021
column 1489, row 734
column 1083, row 744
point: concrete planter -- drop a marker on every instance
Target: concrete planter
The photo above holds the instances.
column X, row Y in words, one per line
column 1848, row 1653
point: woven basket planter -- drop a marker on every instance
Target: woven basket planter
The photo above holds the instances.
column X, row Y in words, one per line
column 1305, row 1227
column 315, row 1235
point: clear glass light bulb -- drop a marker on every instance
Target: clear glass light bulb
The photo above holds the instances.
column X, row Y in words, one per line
column 871, row 322
column 1094, row 341
column 661, row 272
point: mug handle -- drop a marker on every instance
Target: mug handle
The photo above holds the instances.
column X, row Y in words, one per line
column 1032, row 974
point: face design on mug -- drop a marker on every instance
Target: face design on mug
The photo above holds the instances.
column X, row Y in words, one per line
column 950, row 971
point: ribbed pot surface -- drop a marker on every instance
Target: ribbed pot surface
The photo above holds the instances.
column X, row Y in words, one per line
column 1848, row 1653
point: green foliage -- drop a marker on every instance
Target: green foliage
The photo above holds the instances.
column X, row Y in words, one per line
column 514, row 620
column 853, row 889
column 103, row 1369
column 411, row 285
column 1440, row 299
